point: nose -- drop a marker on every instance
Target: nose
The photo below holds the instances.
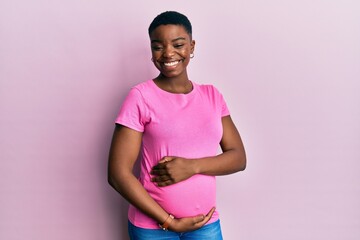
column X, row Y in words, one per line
column 168, row 52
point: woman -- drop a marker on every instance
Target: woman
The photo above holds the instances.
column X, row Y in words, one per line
column 175, row 126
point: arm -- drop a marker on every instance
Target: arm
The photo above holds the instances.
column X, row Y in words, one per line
column 171, row 170
column 124, row 151
column 233, row 158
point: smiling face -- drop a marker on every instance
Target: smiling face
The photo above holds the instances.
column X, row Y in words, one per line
column 171, row 47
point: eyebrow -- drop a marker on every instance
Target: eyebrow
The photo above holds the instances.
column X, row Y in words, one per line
column 174, row 40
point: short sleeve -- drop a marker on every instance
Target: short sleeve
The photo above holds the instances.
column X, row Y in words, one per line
column 224, row 108
column 132, row 111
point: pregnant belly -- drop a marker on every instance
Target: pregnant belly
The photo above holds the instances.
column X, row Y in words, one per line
column 196, row 195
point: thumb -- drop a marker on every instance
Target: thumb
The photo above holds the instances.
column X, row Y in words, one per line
column 165, row 159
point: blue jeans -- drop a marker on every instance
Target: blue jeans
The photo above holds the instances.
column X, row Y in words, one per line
column 210, row 231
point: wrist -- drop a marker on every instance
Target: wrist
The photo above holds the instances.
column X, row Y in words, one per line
column 167, row 223
column 196, row 166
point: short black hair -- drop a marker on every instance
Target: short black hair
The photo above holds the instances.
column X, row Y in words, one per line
column 171, row 17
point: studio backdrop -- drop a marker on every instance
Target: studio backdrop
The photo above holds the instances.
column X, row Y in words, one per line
column 289, row 72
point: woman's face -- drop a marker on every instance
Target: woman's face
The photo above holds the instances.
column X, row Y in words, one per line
column 171, row 47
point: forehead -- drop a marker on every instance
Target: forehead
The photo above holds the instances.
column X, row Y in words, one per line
column 169, row 32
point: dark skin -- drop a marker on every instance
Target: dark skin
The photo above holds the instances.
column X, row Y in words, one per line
column 171, row 47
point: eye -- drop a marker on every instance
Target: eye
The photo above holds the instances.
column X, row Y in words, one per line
column 156, row 48
column 178, row 45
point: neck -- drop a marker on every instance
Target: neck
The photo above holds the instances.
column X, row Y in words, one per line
column 174, row 85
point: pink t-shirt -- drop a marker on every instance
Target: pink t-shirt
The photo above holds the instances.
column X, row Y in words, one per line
column 184, row 125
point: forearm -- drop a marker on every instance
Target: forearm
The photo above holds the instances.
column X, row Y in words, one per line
column 131, row 189
column 171, row 170
column 225, row 163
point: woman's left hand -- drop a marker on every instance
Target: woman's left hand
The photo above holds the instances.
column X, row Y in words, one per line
column 171, row 170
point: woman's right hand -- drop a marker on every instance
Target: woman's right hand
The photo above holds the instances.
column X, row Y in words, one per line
column 190, row 223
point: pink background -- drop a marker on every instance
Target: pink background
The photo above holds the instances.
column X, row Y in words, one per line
column 289, row 70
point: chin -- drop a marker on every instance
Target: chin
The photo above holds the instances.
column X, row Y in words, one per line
column 170, row 75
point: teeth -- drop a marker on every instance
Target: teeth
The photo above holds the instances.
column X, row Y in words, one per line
column 169, row 64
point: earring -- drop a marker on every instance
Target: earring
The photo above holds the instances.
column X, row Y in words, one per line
column 192, row 55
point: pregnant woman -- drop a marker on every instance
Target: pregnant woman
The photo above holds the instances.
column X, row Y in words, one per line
column 174, row 126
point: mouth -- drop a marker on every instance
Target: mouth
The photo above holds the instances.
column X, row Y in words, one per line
column 171, row 64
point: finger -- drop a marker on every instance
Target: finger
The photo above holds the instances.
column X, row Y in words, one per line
column 159, row 172
column 162, row 178
column 204, row 219
column 159, row 166
column 166, row 159
column 164, row 183
column 210, row 213
column 198, row 219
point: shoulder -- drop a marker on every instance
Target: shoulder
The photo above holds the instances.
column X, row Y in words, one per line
column 209, row 89
column 141, row 89
column 143, row 86
column 210, row 92
column 146, row 89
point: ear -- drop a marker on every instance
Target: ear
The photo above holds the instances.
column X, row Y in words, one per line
column 192, row 46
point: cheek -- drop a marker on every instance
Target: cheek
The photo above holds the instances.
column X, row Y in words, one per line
column 187, row 51
column 155, row 54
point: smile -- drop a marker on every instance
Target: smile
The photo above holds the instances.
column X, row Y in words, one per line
column 170, row 64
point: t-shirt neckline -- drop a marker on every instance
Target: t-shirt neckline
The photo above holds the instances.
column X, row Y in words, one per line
column 192, row 92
